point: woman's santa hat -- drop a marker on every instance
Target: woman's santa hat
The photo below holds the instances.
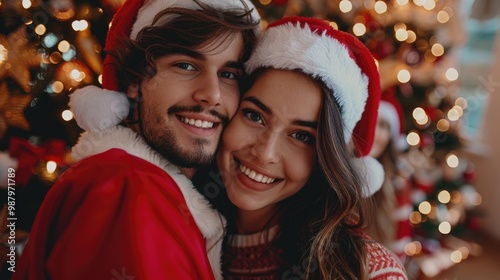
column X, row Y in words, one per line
column 391, row 111
column 97, row 109
column 346, row 67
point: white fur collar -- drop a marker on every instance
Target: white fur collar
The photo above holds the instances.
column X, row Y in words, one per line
column 209, row 221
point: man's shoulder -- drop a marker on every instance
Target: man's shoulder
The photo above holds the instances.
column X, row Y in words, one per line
column 117, row 161
column 118, row 167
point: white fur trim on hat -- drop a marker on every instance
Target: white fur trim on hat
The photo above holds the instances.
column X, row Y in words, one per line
column 290, row 46
column 150, row 8
column 97, row 109
column 387, row 112
column 373, row 174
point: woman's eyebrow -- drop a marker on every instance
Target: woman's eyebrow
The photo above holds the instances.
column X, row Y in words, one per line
column 259, row 104
column 311, row 124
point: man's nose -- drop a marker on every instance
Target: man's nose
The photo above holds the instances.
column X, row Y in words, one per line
column 208, row 92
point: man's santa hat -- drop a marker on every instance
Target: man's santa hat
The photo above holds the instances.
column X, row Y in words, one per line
column 97, row 109
column 343, row 64
column 391, row 111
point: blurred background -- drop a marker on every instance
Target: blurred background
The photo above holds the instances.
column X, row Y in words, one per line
column 439, row 59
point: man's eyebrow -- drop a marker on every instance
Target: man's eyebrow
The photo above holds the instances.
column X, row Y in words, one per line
column 187, row 52
column 259, row 104
column 235, row 64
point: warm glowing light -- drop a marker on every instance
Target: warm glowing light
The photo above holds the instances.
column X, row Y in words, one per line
column 413, row 139
column 412, row 37
column 40, row 29
column 453, row 114
column 334, row 25
column 459, row 110
column 444, row 196
column 55, row 57
column 477, row 199
column 77, row 75
column 99, row 79
column 26, row 4
column 429, row 5
column 67, row 115
column 51, row 166
column 456, row 256
column 359, row 29
column 79, row 25
column 380, row 7
column 444, row 227
column 465, row 252
column 415, row 218
column 401, row 35
column 452, row 74
column 452, row 160
column 345, row 6
column 419, row 2
column 413, row 248
column 462, row 102
column 57, row 87
column 418, row 113
column 63, row 46
column 424, row 207
column 443, row 125
column 423, row 120
column 265, row 2
column 404, row 76
column 402, row 2
column 399, row 25
column 3, row 54
column 437, row 49
column 443, row 17
column 456, row 197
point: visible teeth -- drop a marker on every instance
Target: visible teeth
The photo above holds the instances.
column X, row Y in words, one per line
column 256, row 176
column 198, row 123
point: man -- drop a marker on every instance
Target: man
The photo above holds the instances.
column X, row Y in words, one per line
column 127, row 208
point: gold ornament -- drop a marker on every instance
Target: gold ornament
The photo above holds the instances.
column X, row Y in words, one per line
column 11, row 109
column 17, row 56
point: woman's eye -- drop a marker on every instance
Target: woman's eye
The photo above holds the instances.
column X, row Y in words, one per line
column 304, row 137
column 253, row 116
column 185, row 66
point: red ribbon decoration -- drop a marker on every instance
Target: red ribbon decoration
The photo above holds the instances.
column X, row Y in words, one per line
column 29, row 155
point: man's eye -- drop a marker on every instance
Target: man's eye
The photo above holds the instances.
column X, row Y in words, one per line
column 185, row 66
column 229, row 75
column 304, row 137
column 253, row 116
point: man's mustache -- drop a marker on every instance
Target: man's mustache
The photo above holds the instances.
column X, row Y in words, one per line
column 198, row 109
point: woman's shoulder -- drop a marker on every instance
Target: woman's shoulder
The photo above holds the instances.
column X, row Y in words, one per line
column 383, row 264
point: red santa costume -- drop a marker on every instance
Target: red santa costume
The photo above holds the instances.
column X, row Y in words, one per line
column 122, row 211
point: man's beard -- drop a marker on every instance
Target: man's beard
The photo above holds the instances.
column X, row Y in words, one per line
column 166, row 145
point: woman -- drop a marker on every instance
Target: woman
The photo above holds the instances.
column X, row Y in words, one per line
column 391, row 225
column 289, row 166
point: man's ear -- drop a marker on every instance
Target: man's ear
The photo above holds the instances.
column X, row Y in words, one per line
column 133, row 92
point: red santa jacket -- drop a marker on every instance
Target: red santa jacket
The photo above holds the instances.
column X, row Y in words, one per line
column 122, row 213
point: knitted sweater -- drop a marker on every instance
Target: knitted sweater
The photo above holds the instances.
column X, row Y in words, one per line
column 254, row 262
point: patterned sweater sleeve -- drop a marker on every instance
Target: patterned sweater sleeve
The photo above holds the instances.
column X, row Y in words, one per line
column 384, row 265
